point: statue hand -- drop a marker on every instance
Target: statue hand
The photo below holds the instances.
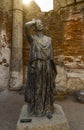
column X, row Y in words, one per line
column 34, row 21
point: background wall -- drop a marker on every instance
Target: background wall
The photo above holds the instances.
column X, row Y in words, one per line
column 73, row 44
column 65, row 24
column 5, row 41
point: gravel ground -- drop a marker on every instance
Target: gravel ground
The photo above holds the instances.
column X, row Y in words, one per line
column 12, row 102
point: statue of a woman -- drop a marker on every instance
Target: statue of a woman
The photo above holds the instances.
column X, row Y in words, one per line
column 40, row 87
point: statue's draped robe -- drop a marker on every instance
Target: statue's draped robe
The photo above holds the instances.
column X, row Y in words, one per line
column 40, row 86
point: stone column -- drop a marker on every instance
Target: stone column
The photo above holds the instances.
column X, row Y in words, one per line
column 16, row 79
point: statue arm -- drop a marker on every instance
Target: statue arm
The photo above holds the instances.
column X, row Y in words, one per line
column 27, row 27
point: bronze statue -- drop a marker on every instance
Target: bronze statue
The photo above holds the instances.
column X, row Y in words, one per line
column 40, row 86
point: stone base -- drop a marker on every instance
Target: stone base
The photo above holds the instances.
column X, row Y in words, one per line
column 58, row 122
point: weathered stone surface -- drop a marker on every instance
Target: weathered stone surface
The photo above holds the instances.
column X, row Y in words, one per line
column 74, row 62
column 75, row 80
column 16, row 75
column 64, row 3
column 16, row 80
column 64, row 24
column 58, row 122
column 56, row 5
column 73, row 47
column 31, row 11
column 5, row 42
column 59, row 3
column 66, row 29
column 79, row 0
column 70, row 2
column 61, row 76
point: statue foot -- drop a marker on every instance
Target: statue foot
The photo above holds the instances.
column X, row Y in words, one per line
column 49, row 115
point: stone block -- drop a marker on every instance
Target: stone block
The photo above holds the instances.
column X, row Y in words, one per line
column 75, row 83
column 75, row 79
column 61, row 76
column 70, row 2
column 63, row 3
column 79, row 0
column 58, row 122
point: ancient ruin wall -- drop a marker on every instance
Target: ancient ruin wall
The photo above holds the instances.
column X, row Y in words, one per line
column 65, row 24
column 66, row 27
column 73, row 44
column 5, row 41
column 72, row 17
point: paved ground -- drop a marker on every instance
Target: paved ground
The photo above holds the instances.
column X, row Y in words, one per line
column 12, row 102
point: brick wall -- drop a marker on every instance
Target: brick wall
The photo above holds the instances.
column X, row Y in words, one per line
column 73, row 44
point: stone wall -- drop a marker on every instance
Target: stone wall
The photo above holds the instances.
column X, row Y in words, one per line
column 65, row 24
column 58, row 4
column 73, row 44
column 5, row 41
column 72, row 17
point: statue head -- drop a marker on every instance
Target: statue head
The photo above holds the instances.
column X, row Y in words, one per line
column 38, row 25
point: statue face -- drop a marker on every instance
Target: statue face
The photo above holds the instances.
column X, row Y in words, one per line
column 39, row 25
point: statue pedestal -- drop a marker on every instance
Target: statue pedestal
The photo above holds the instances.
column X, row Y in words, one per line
column 58, row 122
